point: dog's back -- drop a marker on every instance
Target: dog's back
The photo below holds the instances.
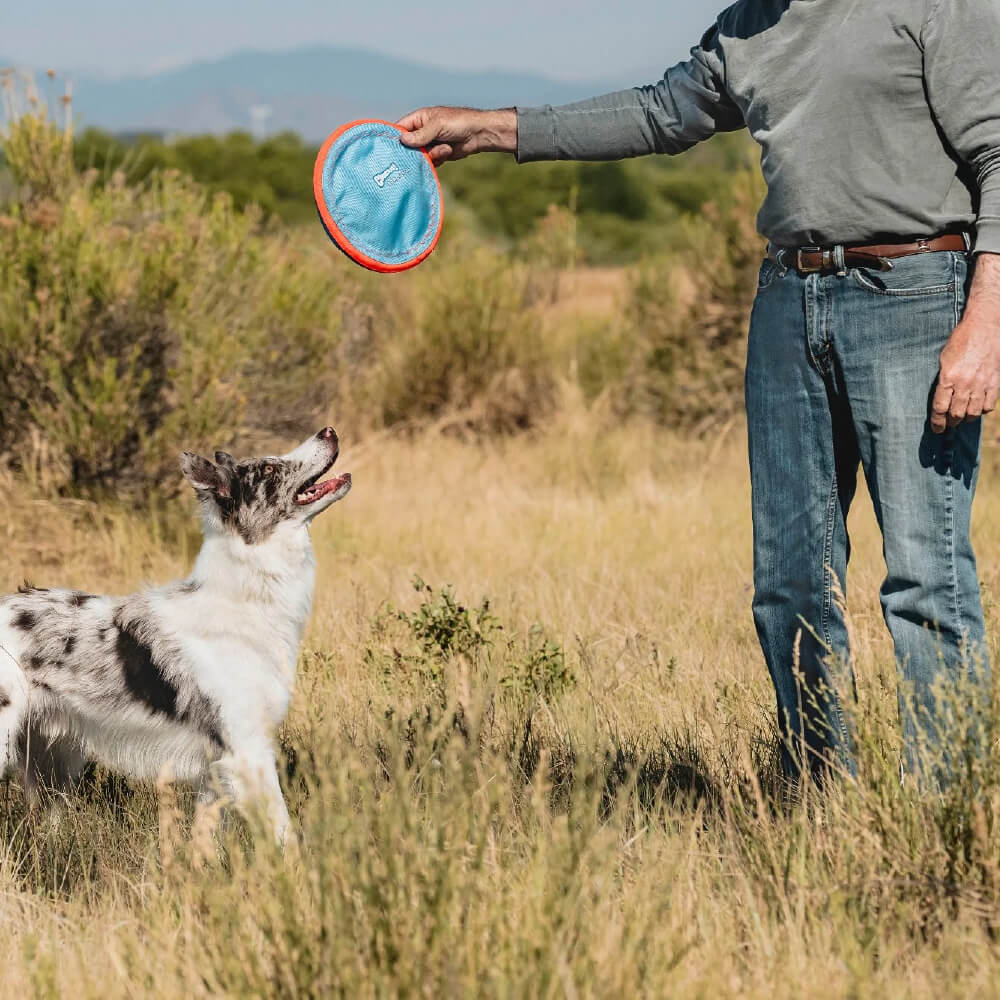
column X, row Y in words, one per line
column 104, row 672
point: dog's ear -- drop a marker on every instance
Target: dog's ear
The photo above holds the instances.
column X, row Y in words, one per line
column 224, row 459
column 204, row 476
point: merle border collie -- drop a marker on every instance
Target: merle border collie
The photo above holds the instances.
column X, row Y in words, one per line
column 189, row 680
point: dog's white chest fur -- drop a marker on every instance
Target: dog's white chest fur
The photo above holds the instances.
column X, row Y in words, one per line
column 247, row 627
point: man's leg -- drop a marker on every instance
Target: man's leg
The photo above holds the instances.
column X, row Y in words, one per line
column 922, row 485
column 803, row 467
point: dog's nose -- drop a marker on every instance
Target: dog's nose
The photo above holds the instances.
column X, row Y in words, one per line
column 327, row 434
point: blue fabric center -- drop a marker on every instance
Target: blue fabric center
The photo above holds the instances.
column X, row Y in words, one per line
column 383, row 197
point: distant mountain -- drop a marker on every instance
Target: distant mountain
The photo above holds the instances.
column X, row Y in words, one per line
column 308, row 90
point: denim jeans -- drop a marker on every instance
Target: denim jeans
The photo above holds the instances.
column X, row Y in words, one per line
column 840, row 372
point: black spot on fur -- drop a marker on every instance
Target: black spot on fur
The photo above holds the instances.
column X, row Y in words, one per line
column 79, row 600
column 4, row 699
column 143, row 675
column 36, row 662
column 69, row 645
column 189, row 587
column 25, row 621
column 41, row 685
column 146, row 682
column 102, row 634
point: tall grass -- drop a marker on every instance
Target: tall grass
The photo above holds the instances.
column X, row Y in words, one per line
column 623, row 834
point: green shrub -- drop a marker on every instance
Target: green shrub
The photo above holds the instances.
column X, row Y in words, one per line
column 443, row 627
column 273, row 173
column 689, row 310
column 443, row 631
column 461, row 340
column 537, row 669
column 135, row 321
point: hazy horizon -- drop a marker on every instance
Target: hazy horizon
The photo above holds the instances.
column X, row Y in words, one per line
column 586, row 40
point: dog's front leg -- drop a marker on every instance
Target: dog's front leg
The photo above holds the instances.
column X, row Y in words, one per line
column 248, row 780
column 210, row 817
column 277, row 811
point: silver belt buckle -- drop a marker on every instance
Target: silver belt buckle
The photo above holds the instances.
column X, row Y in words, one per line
column 823, row 265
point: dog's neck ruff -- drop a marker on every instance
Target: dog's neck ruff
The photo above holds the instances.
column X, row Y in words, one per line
column 271, row 583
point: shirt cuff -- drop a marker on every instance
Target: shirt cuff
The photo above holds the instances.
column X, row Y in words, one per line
column 536, row 134
column 988, row 235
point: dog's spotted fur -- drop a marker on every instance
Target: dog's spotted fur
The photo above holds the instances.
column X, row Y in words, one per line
column 191, row 678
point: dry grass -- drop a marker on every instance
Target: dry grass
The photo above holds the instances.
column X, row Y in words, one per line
column 443, row 860
column 461, row 834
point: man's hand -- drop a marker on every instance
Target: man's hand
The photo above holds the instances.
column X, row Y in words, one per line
column 453, row 133
column 969, row 383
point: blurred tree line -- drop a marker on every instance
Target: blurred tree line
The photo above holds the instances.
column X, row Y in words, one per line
column 624, row 211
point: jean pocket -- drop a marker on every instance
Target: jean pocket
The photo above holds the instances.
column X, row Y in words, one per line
column 917, row 274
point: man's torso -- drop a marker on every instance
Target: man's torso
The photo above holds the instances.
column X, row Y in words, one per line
column 834, row 92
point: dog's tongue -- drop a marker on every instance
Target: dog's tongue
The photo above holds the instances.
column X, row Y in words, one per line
column 319, row 490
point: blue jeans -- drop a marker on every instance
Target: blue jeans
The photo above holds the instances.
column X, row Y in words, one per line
column 840, row 372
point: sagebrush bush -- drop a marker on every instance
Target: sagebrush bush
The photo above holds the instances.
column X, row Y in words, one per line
column 689, row 310
column 135, row 321
column 463, row 341
column 142, row 318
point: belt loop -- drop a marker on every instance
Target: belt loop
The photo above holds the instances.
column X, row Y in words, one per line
column 967, row 238
column 839, row 261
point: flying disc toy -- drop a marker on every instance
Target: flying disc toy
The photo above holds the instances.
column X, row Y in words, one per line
column 379, row 201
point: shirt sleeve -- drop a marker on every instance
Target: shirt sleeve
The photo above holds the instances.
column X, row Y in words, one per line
column 961, row 40
column 688, row 105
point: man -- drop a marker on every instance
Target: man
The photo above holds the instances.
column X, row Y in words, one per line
column 875, row 335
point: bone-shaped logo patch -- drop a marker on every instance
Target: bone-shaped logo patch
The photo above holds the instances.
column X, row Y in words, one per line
column 382, row 178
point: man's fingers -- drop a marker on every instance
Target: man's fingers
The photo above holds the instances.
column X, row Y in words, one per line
column 939, row 408
column 420, row 137
column 420, row 128
column 976, row 406
column 441, row 153
column 959, row 406
column 414, row 120
column 992, row 396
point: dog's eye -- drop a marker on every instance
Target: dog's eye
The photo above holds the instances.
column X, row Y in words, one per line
column 268, row 470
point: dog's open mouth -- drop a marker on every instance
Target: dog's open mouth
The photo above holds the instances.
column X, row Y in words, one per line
column 312, row 490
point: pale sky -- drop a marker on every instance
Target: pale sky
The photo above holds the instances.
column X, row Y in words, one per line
column 589, row 39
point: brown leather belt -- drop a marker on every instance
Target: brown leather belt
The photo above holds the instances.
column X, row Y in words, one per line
column 878, row 257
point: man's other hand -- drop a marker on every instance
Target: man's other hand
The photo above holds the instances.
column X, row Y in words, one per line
column 969, row 382
column 453, row 133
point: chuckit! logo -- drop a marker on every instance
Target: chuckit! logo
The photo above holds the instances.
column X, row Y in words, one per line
column 389, row 175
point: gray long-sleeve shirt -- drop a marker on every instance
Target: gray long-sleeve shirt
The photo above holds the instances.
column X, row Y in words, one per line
column 876, row 118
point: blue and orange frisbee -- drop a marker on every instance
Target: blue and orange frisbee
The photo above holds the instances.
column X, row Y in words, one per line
column 379, row 201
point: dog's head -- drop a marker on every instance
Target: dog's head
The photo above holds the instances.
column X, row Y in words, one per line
column 255, row 496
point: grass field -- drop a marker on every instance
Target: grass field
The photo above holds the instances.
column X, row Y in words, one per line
column 463, row 836
column 531, row 752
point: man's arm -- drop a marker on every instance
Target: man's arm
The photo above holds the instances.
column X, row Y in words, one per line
column 961, row 39
column 688, row 105
column 454, row 133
